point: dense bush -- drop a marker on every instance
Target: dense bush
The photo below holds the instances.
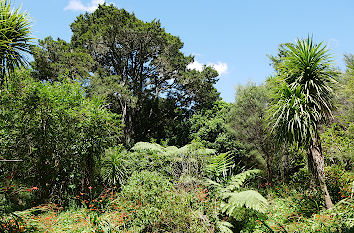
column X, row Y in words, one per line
column 159, row 207
column 61, row 145
column 340, row 182
column 186, row 163
column 58, row 134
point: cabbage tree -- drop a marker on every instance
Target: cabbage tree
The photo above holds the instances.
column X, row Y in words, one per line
column 304, row 102
column 14, row 39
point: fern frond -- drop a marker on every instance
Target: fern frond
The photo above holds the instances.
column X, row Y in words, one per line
column 147, row 147
column 219, row 165
column 224, row 227
column 171, row 150
column 196, row 149
column 209, row 182
column 250, row 199
column 238, row 180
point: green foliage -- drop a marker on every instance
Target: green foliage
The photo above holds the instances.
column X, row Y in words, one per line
column 238, row 180
column 187, row 162
column 219, row 167
column 166, row 209
column 14, row 39
column 247, row 119
column 114, row 166
column 224, row 227
column 159, row 207
column 209, row 126
column 249, row 199
column 337, row 141
column 235, row 200
column 54, row 60
column 345, row 90
column 340, row 182
column 291, row 211
column 143, row 156
column 57, row 132
column 148, row 147
column 247, row 114
column 146, row 187
column 65, row 139
column 338, row 135
column 198, row 89
column 141, row 71
column 305, row 98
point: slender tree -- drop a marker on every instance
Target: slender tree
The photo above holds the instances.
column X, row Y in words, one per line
column 246, row 118
column 304, row 101
column 14, row 38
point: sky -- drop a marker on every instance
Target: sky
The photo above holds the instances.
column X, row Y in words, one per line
column 232, row 36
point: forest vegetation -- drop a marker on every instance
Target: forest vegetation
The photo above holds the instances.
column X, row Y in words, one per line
column 111, row 132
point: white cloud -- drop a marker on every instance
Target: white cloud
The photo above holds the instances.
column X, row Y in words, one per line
column 195, row 66
column 77, row 5
column 220, row 67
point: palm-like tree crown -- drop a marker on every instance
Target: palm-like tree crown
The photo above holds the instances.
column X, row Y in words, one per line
column 14, row 38
column 305, row 99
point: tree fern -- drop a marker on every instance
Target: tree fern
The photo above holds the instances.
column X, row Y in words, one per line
column 224, row 227
column 249, row 199
column 238, row 180
column 148, row 147
column 219, row 165
column 233, row 198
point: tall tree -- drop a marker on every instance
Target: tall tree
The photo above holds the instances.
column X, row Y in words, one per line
column 14, row 39
column 143, row 67
column 304, row 101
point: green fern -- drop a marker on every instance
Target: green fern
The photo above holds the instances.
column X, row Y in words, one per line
column 219, row 165
column 249, row 199
column 148, row 147
column 171, row 149
column 238, row 180
column 192, row 150
column 233, row 198
column 224, row 227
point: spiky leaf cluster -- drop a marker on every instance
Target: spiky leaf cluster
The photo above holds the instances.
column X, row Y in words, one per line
column 14, row 38
column 305, row 98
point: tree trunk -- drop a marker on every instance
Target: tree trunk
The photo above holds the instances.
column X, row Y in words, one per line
column 315, row 160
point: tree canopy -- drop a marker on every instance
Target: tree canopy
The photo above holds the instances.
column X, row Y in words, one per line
column 137, row 66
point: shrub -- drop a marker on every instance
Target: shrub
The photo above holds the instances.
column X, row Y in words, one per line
column 340, row 182
column 58, row 133
column 150, row 203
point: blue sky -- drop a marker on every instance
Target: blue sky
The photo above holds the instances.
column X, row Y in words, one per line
column 234, row 36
